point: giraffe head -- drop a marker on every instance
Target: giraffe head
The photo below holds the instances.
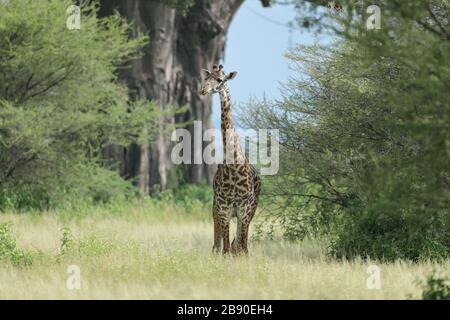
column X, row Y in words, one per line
column 215, row 80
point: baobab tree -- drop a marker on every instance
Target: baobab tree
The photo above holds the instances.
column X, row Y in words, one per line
column 182, row 42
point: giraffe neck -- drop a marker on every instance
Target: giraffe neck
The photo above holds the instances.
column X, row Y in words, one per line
column 229, row 135
column 226, row 121
column 225, row 108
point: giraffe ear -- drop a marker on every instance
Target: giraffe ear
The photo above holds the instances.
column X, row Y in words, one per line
column 207, row 72
column 231, row 75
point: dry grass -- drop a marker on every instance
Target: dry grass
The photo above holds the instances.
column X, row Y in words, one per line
column 144, row 254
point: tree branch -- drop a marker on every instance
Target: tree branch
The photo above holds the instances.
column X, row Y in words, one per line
column 434, row 31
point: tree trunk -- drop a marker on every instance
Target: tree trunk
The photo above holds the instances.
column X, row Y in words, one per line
column 169, row 73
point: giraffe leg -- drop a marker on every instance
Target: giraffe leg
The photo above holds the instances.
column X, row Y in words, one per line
column 217, row 231
column 243, row 236
column 226, row 234
column 234, row 243
column 242, row 229
column 235, row 246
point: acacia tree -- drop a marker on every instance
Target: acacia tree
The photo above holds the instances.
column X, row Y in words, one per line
column 365, row 136
column 61, row 103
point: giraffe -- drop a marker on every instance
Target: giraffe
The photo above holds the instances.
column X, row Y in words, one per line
column 236, row 183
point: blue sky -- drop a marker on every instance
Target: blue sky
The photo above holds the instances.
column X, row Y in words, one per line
column 257, row 41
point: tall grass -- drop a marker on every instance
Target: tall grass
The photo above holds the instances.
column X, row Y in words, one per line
column 157, row 250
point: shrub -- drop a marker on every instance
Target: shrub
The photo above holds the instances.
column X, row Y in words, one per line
column 8, row 248
column 364, row 137
column 436, row 288
column 193, row 198
column 66, row 240
column 193, row 195
column 61, row 103
column 388, row 236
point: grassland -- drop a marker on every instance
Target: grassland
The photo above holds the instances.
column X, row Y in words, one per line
column 160, row 252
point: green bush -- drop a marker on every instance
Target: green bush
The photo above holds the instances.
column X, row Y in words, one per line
column 24, row 197
column 364, row 136
column 66, row 240
column 88, row 185
column 436, row 288
column 61, row 104
column 192, row 198
column 8, row 248
column 389, row 237
column 191, row 195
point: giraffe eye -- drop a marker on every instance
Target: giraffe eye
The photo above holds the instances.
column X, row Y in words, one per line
column 219, row 80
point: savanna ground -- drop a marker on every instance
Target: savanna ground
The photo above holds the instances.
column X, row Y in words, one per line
column 150, row 251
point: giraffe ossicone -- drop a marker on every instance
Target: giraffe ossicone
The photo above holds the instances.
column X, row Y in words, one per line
column 236, row 183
